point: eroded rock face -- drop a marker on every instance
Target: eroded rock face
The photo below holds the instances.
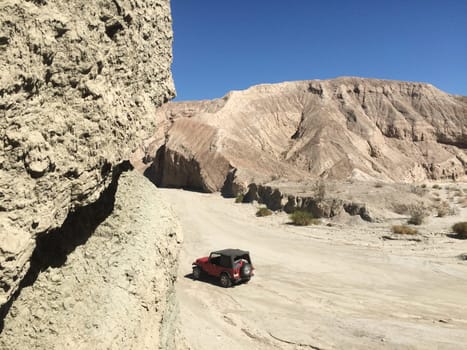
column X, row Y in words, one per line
column 114, row 292
column 79, row 84
column 345, row 128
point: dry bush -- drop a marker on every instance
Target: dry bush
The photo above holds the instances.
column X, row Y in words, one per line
column 239, row 198
column 418, row 190
column 400, row 208
column 436, row 199
column 436, row 187
column 263, row 212
column 418, row 213
column 303, row 218
column 404, row 230
column 379, row 184
column 443, row 209
column 461, row 229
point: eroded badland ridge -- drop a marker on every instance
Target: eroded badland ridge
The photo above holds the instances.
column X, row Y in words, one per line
column 344, row 128
column 79, row 85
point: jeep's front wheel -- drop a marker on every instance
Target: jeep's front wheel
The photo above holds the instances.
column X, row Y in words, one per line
column 196, row 273
column 225, row 281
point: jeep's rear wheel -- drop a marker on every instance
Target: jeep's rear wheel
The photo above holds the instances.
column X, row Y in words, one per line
column 196, row 272
column 225, row 281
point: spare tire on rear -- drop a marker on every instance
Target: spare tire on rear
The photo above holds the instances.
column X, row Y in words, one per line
column 245, row 271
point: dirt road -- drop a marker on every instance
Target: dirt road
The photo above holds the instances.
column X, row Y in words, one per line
column 318, row 287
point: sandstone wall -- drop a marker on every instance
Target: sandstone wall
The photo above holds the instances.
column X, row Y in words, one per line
column 79, row 82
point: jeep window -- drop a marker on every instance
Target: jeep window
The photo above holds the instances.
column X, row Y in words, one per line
column 226, row 261
column 215, row 259
column 245, row 257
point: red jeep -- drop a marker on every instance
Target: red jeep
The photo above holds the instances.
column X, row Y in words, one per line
column 229, row 265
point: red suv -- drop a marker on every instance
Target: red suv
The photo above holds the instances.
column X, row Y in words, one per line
column 229, row 265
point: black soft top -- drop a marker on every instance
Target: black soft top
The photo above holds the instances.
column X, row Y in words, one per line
column 228, row 257
column 231, row 252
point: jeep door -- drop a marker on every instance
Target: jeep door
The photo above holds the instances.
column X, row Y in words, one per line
column 214, row 265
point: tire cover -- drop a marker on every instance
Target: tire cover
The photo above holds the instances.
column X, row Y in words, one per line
column 246, row 270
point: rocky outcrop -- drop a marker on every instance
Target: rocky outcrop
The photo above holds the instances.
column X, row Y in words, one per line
column 320, row 207
column 345, row 128
column 183, row 160
column 79, row 84
column 114, row 292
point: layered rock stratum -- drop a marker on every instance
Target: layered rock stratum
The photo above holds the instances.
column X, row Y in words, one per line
column 79, row 85
column 344, row 128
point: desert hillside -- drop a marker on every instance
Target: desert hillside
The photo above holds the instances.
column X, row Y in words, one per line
column 345, row 128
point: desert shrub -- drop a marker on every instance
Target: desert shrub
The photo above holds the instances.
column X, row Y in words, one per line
column 443, row 209
column 263, row 212
column 436, row 187
column 379, row 184
column 404, row 230
column 303, row 218
column 436, row 199
column 461, row 229
column 423, row 186
column 239, row 198
column 400, row 208
column 419, row 191
column 418, row 213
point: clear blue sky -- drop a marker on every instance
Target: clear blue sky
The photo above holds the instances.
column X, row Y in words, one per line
column 223, row 45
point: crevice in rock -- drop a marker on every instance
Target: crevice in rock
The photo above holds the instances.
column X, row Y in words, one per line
column 459, row 143
column 316, row 90
column 4, row 40
column 53, row 247
column 299, row 132
column 38, row 2
column 112, row 28
column 119, row 8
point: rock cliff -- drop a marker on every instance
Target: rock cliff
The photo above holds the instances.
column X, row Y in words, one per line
column 114, row 292
column 335, row 129
column 79, row 84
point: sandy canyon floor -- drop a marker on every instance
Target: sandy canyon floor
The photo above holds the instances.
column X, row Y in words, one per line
column 321, row 287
